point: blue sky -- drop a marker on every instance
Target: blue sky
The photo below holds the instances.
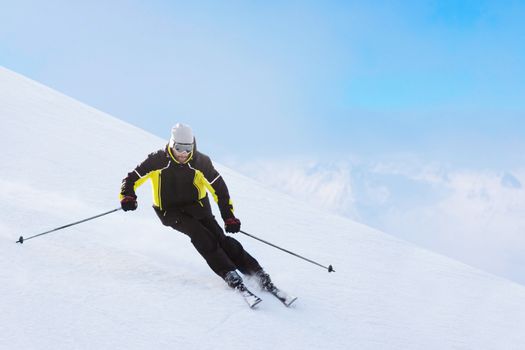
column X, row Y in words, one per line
column 360, row 76
column 374, row 105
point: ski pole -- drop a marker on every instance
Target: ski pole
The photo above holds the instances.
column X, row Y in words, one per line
column 329, row 268
column 22, row 239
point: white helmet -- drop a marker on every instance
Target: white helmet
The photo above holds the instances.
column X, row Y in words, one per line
column 181, row 133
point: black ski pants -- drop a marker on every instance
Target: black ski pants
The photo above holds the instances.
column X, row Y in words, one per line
column 222, row 253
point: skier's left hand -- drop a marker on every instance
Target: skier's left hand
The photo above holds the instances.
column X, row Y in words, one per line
column 232, row 225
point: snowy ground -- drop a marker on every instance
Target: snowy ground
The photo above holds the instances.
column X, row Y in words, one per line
column 125, row 281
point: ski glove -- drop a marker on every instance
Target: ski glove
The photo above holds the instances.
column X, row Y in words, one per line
column 232, row 225
column 128, row 203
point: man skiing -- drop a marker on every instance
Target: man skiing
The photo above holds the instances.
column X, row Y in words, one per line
column 181, row 178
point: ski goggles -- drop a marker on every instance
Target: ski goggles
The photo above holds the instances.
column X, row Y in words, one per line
column 183, row 147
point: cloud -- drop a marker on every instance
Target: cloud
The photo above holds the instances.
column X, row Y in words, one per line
column 475, row 216
column 508, row 180
column 323, row 184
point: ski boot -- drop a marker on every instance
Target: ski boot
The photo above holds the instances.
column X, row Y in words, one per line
column 233, row 279
column 264, row 280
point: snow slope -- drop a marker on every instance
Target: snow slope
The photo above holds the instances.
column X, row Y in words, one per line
column 126, row 282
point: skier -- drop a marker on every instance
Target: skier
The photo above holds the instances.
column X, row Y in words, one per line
column 181, row 177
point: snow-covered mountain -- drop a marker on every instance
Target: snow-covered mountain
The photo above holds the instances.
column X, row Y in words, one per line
column 124, row 281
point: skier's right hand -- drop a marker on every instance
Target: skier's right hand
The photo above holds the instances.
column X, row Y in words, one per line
column 128, row 203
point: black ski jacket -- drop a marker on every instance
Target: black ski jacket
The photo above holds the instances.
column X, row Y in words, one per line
column 180, row 187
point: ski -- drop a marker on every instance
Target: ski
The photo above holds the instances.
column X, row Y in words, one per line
column 251, row 299
column 283, row 297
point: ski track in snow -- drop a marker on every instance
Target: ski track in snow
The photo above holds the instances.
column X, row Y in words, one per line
column 126, row 282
